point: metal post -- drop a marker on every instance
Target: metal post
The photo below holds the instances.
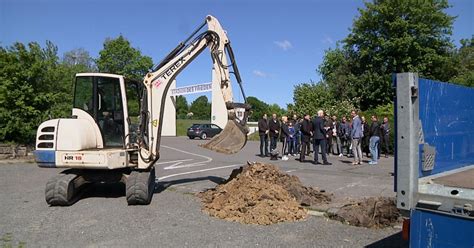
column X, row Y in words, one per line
column 407, row 108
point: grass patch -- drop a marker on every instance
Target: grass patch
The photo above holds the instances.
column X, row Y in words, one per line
column 254, row 137
column 189, row 193
column 7, row 238
column 171, row 189
column 182, row 125
column 6, row 241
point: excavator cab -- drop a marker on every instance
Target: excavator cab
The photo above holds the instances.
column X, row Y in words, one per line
column 112, row 102
column 101, row 97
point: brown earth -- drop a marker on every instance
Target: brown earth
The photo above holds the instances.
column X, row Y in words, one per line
column 260, row 193
column 373, row 212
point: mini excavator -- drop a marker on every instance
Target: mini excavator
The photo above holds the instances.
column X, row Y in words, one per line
column 101, row 144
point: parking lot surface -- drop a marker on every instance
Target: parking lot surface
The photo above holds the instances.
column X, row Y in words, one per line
column 101, row 218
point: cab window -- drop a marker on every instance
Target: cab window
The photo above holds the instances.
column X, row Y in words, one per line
column 83, row 94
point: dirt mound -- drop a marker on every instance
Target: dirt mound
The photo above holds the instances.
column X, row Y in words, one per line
column 373, row 212
column 261, row 194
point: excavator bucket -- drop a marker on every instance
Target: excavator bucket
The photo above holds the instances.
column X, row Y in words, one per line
column 231, row 140
column 234, row 136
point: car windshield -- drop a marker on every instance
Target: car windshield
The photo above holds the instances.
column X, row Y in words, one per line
column 195, row 125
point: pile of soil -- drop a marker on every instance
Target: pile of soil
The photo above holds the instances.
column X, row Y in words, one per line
column 373, row 212
column 261, row 194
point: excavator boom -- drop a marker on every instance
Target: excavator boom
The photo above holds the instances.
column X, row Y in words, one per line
column 157, row 82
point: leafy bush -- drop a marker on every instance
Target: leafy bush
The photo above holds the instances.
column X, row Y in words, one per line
column 34, row 87
column 311, row 97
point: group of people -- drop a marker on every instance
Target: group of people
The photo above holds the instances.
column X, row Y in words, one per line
column 325, row 135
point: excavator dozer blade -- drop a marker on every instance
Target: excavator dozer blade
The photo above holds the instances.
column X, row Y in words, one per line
column 231, row 140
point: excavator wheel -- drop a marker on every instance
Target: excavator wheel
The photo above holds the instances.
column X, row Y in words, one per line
column 62, row 189
column 231, row 140
column 140, row 187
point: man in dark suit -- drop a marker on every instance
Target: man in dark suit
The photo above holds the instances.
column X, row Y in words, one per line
column 306, row 132
column 327, row 127
column 263, row 133
column 385, row 136
column 365, row 142
column 319, row 138
column 274, row 126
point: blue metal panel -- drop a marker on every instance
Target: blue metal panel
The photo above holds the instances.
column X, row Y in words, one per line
column 45, row 158
column 430, row 229
column 447, row 117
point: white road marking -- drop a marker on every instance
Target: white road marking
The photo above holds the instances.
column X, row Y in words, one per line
column 359, row 183
column 175, row 164
column 174, row 161
column 179, row 164
column 198, row 171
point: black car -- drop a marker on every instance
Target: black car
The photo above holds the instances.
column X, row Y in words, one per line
column 203, row 131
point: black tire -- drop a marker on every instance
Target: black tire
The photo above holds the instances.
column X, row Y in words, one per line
column 192, row 137
column 140, row 187
column 60, row 190
column 203, row 136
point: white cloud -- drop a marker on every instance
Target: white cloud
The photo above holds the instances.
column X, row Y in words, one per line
column 284, row 44
column 327, row 40
column 259, row 73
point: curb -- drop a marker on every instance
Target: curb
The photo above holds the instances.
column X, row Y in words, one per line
column 17, row 161
column 317, row 213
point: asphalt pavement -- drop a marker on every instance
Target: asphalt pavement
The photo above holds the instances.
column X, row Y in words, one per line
column 101, row 218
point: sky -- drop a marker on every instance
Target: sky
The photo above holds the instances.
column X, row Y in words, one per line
column 277, row 44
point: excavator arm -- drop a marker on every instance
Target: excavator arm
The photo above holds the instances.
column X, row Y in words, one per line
column 158, row 81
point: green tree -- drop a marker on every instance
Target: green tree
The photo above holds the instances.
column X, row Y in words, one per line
column 79, row 58
column 336, row 73
column 182, row 107
column 258, row 108
column 276, row 109
column 390, row 37
column 201, row 108
column 73, row 62
column 119, row 57
column 310, row 97
column 290, row 110
column 465, row 60
column 34, row 87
